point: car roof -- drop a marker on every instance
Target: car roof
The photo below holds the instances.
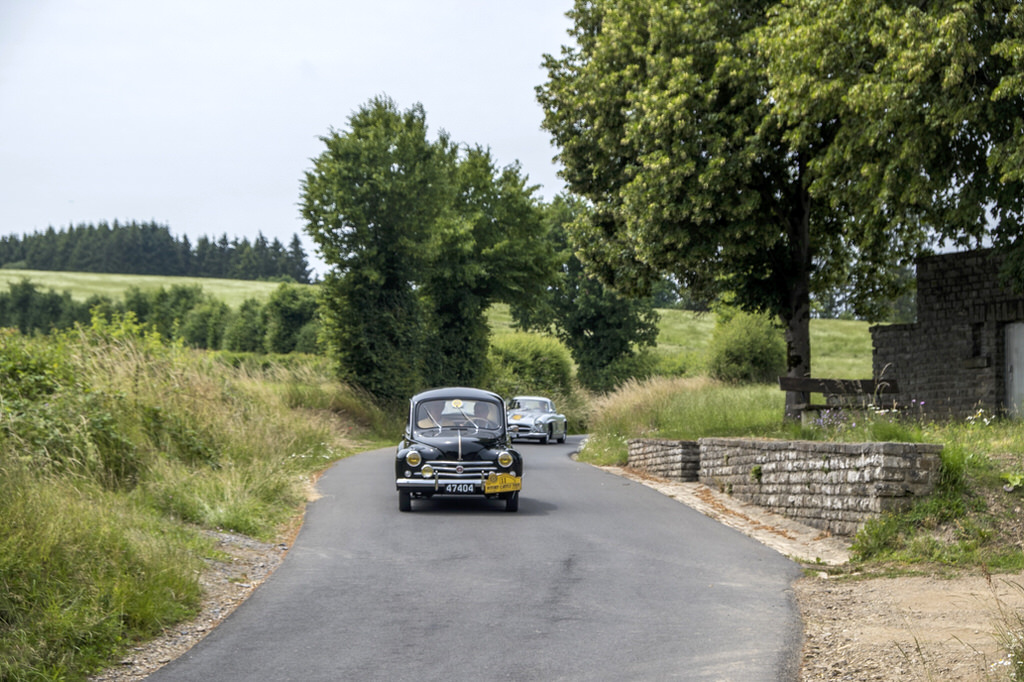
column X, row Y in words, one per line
column 456, row 392
column 530, row 397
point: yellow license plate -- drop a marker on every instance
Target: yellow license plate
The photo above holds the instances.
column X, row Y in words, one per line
column 502, row 483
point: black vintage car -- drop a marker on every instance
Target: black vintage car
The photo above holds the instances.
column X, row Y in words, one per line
column 456, row 443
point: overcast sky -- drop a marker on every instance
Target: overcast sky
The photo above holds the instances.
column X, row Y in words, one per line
column 203, row 115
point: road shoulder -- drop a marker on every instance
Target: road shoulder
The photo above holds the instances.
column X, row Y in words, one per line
column 797, row 541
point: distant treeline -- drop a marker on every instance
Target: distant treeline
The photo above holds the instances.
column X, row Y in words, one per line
column 150, row 249
column 286, row 323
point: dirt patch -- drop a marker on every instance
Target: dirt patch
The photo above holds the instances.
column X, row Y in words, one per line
column 907, row 628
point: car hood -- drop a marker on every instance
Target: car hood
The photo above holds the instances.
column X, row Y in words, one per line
column 448, row 445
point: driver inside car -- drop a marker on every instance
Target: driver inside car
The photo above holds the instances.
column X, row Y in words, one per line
column 486, row 415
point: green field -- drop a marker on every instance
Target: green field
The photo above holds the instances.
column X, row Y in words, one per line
column 841, row 348
column 82, row 285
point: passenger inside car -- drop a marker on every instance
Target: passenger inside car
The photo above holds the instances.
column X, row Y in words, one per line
column 430, row 415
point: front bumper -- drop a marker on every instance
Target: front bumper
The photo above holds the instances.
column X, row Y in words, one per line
column 491, row 484
column 525, row 429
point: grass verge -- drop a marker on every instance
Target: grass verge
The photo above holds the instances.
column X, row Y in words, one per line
column 115, row 449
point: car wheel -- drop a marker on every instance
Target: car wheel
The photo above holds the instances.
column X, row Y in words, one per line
column 512, row 502
column 565, row 432
column 404, row 500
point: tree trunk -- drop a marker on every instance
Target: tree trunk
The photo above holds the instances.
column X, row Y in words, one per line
column 797, row 313
column 798, row 348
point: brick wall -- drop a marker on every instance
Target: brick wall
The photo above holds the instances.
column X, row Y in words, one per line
column 950, row 362
column 832, row 486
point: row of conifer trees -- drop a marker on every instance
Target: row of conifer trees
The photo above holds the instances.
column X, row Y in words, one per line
column 150, row 249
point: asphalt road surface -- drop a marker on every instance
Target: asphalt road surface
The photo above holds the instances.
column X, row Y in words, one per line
column 595, row 578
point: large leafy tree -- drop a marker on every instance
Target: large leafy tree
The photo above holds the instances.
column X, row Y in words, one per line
column 602, row 328
column 666, row 120
column 369, row 203
column 658, row 111
column 422, row 237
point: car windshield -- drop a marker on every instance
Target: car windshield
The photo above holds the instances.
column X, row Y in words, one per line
column 435, row 416
column 539, row 405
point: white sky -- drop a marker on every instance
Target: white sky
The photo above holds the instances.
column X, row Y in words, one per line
column 204, row 114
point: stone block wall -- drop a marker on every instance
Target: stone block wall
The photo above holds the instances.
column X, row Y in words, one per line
column 832, row 486
column 951, row 361
column 676, row 460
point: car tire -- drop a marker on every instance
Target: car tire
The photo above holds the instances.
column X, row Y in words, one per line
column 404, row 501
column 512, row 502
column 565, row 432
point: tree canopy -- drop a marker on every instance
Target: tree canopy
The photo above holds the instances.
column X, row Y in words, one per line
column 421, row 237
column 767, row 148
column 923, row 106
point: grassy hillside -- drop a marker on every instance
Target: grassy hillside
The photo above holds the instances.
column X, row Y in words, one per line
column 82, row 285
column 841, row 348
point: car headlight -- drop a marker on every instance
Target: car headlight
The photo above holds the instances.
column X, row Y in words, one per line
column 413, row 459
column 427, row 471
column 505, row 459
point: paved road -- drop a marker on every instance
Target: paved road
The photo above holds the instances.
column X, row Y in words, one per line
column 595, row 578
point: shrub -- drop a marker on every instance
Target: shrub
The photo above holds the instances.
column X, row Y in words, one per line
column 287, row 313
column 204, row 325
column 308, row 338
column 31, row 310
column 246, row 329
column 746, row 348
column 634, row 367
column 523, row 363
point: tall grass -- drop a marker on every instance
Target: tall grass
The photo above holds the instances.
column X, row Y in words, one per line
column 678, row 408
column 83, row 570
column 115, row 450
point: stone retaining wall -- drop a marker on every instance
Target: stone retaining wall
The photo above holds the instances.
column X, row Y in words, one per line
column 832, row 486
column 677, row 460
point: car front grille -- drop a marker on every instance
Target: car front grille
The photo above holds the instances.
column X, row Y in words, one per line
column 449, row 470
